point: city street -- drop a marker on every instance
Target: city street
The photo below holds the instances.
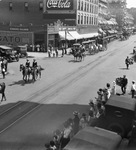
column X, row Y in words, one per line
column 65, row 86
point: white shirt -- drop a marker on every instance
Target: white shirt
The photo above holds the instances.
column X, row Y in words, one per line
column 133, row 87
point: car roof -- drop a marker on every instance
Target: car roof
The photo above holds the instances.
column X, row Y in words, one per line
column 5, row 47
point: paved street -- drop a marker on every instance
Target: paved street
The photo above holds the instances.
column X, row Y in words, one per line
column 65, row 86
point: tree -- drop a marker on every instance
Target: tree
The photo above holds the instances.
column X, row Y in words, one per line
column 132, row 11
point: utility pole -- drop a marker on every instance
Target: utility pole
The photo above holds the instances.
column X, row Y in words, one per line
column 66, row 40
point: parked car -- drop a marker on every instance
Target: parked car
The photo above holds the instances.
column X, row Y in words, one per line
column 21, row 51
column 8, row 53
column 94, row 139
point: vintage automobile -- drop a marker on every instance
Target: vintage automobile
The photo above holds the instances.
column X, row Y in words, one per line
column 21, row 51
column 119, row 115
column 8, row 53
column 94, row 138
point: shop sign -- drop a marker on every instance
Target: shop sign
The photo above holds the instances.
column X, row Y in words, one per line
column 68, row 28
column 52, row 29
column 15, row 38
column 59, row 5
column 18, row 29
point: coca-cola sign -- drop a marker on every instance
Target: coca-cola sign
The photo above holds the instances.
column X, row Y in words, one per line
column 59, row 4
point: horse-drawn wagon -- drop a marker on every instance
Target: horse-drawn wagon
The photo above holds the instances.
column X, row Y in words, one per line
column 78, row 51
column 90, row 46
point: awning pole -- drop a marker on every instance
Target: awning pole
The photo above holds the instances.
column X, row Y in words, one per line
column 65, row 41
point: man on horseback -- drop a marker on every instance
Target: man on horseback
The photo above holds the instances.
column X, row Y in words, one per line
column 27, row 63
column 34, row 65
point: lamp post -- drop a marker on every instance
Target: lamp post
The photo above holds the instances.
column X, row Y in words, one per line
column 66, row 40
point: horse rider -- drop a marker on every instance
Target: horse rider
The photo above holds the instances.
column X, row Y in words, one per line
column 27, row 65
column 34, row 65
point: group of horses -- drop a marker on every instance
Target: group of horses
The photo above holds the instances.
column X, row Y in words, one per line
column 80, row 52
column 35, row 72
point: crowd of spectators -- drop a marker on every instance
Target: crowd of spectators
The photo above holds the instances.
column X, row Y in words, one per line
column 73, row 125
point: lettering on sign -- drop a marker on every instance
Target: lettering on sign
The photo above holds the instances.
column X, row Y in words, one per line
column 59, row 4
column 15, row 38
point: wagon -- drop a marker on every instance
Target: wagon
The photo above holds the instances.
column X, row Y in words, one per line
column 89, row 46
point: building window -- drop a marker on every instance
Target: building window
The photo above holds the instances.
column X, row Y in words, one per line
column 10, row 5
column 81, row 18
column 40, row 5
column 87, row 21
column 84, row 19
column 82, row 4
column 85, row 7
column 26, row 5
column 78, row 19
column 78, row 4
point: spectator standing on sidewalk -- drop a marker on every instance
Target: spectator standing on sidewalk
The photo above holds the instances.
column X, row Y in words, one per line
column 127, row 62
column 62, row 51
column 56, row 51
column 83, row 121
column 124, row 84
column 49, row 52
column 133, row 89
column 76, row 122
column 53, row 52
column 114, row 88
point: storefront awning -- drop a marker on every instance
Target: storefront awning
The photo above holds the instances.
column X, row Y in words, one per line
column 65, row 36
column 89, row 35
column 75, row 34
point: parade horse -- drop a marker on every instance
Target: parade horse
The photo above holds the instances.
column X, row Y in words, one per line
column 2, row 91
column 36, row 72
column 25, row 72
column 77, row 55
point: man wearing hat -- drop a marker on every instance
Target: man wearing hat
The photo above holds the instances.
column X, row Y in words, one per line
column 76, row 121
column 34, row 65
column 27, row 63
column 124, row 84
column 133, row 88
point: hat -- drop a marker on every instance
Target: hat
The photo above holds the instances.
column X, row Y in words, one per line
column 124, row 75
column 133, row 81
column 75, row 113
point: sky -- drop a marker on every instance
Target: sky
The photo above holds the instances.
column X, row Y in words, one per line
column 131, row 3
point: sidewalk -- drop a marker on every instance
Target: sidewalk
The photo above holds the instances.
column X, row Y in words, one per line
column 45, row 54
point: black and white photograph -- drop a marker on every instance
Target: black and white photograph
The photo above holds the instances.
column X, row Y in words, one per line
column 67, row 74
